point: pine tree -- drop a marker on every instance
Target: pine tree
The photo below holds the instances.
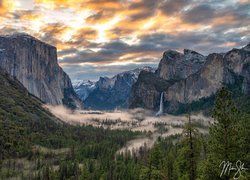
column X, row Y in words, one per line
column 189, row 152
column 225, row 137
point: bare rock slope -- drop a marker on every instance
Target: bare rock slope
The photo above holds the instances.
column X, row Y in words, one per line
column 34, row 64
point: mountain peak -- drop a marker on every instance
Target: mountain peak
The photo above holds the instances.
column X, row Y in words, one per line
column 171, row 54
column 136, row 71
column 18, row 35
column 247, row 47
column 189, row 51
column 23, row 37
column 192, row 55
column 110, row 92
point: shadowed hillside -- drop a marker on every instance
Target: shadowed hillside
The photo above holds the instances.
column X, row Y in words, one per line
column 30, row 132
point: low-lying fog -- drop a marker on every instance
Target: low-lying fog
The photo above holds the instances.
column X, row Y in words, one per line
column 134, row 120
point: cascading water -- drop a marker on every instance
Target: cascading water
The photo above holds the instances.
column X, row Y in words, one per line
column 160, row 112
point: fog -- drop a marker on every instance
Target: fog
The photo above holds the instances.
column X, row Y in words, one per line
column 134, row 120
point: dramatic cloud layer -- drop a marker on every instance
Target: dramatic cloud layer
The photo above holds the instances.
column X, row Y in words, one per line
column 102, row 37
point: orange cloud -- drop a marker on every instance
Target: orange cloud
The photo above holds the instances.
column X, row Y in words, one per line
column 87, row 4
column 223, row 20
column 6, row 6
column 100, row 5
column 230, row 44
column 85, row 33
column 93, row 25
column 29, row 15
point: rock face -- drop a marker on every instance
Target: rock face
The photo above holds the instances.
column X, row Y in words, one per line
column 177, row 66
column 83, row 88
column 109, row 93
column 146, row 91
column 34, row 64
column 203, row 83
column 192, row 77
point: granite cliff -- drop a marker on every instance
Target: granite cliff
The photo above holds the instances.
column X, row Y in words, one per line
column 34, row 64
column 176, row 66
column 192, row 77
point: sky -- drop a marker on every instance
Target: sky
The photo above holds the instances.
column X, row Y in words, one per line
column 105, row 37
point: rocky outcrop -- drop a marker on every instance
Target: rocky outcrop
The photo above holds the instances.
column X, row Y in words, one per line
column 110, row 93
column 203, row 83
column 176, row 66
column 146, row 91
column 193, row 77
column 34, row 64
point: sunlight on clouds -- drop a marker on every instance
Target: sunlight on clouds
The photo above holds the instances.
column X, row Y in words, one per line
column 149, row 23
column 102, row 28
column 238, row 30
column 123, row 63
column 37, row 25
column 131, row 39
column 97, row 25
column 229, row 44
column 8, row 6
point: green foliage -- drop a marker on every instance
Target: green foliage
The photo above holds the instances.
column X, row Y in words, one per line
column 189, row 152
column 24, row 124
column 203, row 104
column 170, row 158
column 228, row 137
column 36, row 145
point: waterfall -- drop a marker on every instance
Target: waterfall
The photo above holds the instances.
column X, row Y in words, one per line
column 160, row 112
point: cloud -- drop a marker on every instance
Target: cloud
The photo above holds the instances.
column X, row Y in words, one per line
column 217, row 14
column 123, row 32
column 93, row 72
column 151, row 47
column 145, row 9
column 52, row 33
column 199, row 14
column 173, row 7
column 100, row 17
column 113, row 51
column 26, row 15
column 67, row 51
column 85, row 33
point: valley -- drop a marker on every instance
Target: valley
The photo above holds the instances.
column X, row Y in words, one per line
column 178, row 121
column 136, row 120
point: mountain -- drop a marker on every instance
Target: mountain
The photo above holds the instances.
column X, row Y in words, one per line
column 33, row 139
column 83, row 88
column 192, row 78
column 34, row 64
column 109, row 93
column 175, row 65
column 21, row 114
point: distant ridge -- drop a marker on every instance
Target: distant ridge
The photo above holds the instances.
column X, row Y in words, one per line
column 109, row 93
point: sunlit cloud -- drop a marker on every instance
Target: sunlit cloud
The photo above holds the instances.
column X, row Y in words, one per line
column 126, row 33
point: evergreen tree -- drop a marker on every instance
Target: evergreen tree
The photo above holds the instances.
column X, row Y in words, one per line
column 189, row 152
column 226, row 138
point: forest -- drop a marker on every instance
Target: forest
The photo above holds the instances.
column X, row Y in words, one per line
column 36, row 145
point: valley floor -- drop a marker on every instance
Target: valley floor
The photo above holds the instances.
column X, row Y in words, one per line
column 133, row 120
